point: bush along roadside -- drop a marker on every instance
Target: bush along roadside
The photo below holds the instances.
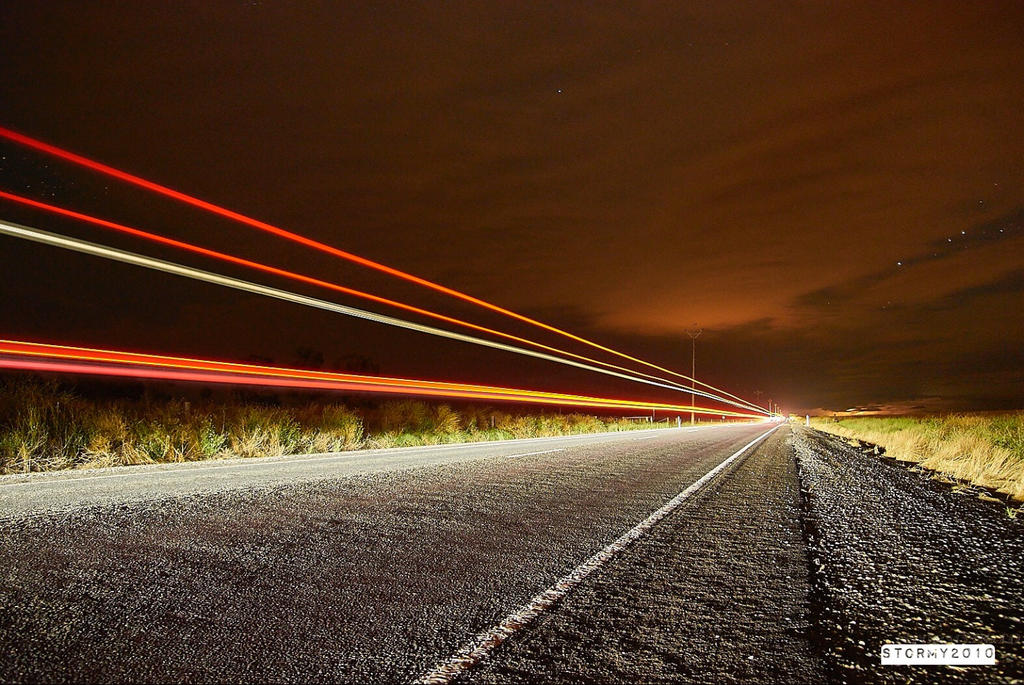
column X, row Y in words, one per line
column 45, row 425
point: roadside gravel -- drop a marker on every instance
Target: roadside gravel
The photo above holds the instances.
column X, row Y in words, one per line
column 899, row 558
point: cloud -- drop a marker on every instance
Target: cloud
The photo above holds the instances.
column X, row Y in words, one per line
column 1007, row 228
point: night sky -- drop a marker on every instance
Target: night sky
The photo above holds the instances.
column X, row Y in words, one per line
column 833, row 191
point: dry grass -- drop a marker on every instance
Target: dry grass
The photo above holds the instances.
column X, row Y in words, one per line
column 984, row 449
column 46, row 426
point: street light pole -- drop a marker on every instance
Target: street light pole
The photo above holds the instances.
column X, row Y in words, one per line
column 694, row 331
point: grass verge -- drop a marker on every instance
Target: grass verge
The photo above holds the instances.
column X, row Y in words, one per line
column 46, row 426
column 986, row 450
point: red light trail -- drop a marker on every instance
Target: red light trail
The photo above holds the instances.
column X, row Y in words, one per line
column 65, row 242
column 231, row 259
column 184, row 198
column 80, row 360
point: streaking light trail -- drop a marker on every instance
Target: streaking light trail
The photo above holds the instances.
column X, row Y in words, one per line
column 81, row 360
column 124, row 176
column 231, row 259
column 47, row 238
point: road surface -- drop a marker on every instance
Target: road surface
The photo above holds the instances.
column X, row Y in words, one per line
column 389, row 566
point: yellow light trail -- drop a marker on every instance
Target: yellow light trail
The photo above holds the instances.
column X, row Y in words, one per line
column 44, row 356
column 56, row 240
column 265, row 227
column 232, row 259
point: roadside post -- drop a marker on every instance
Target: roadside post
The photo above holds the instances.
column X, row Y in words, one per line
column 693, row 332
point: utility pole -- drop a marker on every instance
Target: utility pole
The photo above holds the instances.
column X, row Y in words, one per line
column 694, row 332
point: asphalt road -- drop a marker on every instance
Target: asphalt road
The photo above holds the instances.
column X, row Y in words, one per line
column 794, row 563
column 720, row 592
column 362, row 567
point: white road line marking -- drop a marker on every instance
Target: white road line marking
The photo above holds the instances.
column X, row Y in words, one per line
column 526, row 454
column 298, row 459
column 166, row 472
column 257, row 462
column 486, row 641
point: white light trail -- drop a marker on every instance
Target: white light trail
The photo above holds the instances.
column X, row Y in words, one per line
column 84, row 247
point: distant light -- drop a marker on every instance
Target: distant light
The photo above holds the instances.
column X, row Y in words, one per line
column 963, row 232
column 899, row 263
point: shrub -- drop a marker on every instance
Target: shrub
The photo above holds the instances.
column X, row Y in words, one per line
column 44, row 425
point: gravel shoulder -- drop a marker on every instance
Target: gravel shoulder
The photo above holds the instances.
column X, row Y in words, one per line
column 900, row 558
